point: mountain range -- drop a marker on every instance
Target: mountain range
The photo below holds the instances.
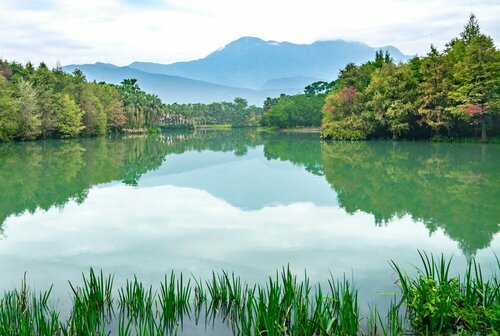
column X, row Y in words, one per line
column 248, row 67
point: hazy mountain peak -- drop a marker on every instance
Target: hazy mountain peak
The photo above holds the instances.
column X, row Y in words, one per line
column 247, row 40
column 102, row 64
column 249, row 67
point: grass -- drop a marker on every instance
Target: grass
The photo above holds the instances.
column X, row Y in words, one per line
column 432, row 302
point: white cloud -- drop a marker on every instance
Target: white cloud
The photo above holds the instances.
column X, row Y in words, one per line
column 122, row 31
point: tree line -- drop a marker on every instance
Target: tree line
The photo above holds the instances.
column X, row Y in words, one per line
column 38, row 102
column 454, row 93
column 302, row 110
column 236, row 113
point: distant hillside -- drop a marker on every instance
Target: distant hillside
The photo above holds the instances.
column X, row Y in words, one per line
column 248, row 67
column 297, row 82
column 250, row 62
column 173, row 88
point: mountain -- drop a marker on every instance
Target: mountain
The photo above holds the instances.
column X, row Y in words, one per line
column 173, row 89
column 250, row 62
column 249, row 67
column 297, row 82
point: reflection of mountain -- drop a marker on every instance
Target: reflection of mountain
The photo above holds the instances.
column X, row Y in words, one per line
column 455, row 188
column 248, row 182
column 452, row 187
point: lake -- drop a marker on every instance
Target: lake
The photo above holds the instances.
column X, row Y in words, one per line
column 243, row 201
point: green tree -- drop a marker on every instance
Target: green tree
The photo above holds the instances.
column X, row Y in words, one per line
column 69, row 117
column 44, row 83
column 393, row 94
column 295, row 111
column 318, row 88
column 29, row 125
column 7, row 111
column 113, row 107
column 434, row 89
column 476, row 93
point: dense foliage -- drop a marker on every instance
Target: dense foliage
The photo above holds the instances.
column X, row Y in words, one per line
column 301, row 110
column 294, row 111
column 237, row 113
column 39, row 102
column 44, row 103
column 455, row 93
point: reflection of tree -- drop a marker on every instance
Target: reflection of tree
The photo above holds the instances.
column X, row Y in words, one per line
column 301, row 149
column 455, row 189
column 46, row 174
column 449, row 187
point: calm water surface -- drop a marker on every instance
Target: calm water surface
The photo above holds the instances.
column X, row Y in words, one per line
column 244, row 201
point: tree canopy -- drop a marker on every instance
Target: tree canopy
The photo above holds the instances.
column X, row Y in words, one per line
column 450, row 94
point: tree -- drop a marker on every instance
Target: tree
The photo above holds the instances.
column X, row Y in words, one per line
column 318, row 88
column 94, row 116
column 7, row 111
column 112, row 105
column 393, row 94
column 29, row 125
column 44, row 83
column 295, row 111
column 476, row 92
column 471, row 30
column 69, row 117
column 343, row 118
column 434, row 89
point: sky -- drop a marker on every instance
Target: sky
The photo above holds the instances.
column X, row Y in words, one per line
column 166, row 31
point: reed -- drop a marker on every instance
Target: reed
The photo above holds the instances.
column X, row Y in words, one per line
column 174, row 301
column 92, row 306
column 22, row 312
column 432, row 302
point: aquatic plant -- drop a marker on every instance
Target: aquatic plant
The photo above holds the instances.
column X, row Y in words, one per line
column 437, row 303
column 431, row 302
column 22, row 312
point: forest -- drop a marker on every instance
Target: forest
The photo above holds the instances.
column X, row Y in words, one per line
column 38, row 102
column 444, row 95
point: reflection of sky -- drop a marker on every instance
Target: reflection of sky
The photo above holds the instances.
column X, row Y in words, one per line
column 247, row 182
column 207, row 211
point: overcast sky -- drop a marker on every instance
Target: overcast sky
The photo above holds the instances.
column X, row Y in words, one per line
column 165, row 31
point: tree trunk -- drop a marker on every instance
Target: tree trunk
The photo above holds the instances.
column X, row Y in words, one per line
column 394, row 136
column 484, row 136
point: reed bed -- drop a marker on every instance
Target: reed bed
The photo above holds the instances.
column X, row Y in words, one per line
column 431, row 302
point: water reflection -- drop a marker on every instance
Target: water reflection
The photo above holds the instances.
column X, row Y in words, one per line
column 455, row 188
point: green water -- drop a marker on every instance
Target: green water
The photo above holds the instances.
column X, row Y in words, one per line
column 244, row 201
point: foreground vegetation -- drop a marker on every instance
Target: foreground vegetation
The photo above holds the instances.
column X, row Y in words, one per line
column 432, row 302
